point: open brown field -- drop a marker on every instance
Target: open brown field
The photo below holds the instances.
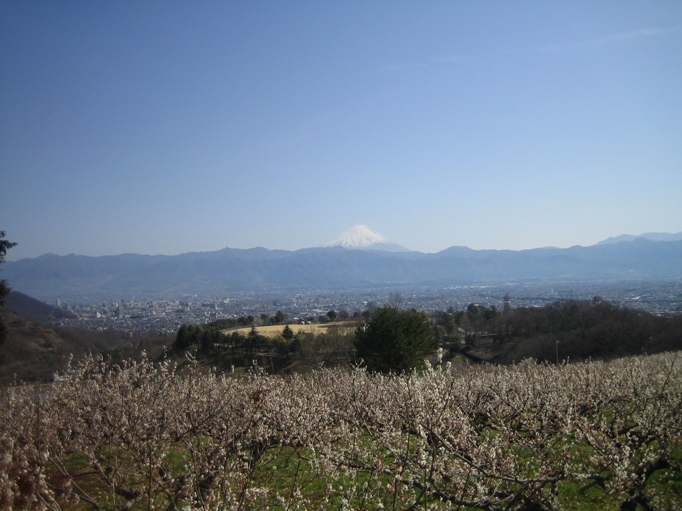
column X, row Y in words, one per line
column 313, row 328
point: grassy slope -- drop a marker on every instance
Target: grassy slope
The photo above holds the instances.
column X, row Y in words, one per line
column 313, row 328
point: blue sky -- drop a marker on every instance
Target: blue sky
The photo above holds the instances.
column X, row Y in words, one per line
column 168, row 127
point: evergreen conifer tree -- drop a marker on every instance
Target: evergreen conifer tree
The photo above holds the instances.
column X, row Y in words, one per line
column 394, row 340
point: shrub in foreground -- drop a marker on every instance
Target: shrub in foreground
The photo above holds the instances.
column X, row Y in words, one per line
column 143, row 436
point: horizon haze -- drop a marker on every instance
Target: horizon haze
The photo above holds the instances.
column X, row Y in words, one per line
column 171, row 127
column 363, row 237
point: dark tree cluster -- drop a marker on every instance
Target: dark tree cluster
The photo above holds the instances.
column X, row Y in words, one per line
column 583, row 329
column 277, row 319
column 588, row 329
column 392, row 340
column 5, row 245
column 224, row 324
column 446, row 331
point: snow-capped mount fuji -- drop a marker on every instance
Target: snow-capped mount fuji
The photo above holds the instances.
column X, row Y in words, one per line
column 80, row 278
column 362, row 237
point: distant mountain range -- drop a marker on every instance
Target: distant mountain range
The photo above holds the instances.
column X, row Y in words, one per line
column 652, row 236
column 334, row 267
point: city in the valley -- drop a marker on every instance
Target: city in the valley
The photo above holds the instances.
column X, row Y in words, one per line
column 166, row 315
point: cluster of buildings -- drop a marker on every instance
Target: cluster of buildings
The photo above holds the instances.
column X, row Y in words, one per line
column 166, row 315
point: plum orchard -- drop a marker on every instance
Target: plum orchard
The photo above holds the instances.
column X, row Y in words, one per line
column 141, row 436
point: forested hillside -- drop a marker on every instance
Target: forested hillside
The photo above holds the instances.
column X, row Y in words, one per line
column 565, row 330
column 34, row 351
column 582, row 329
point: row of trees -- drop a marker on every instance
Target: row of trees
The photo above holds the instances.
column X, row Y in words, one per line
column 386, row 340
column 389, row 339
column 583, row 328
column 528, row 437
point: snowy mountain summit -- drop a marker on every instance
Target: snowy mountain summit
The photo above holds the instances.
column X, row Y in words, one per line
column 363, row 238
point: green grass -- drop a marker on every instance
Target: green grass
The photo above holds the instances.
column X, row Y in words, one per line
column 288, row 474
